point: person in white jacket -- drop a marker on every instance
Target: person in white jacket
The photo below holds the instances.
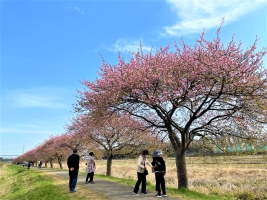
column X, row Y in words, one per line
column 141, row 177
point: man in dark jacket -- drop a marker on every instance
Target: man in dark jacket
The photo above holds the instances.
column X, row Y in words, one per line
column 73, row 165
column 29, row 164
column 40, row 164
column 160, row 171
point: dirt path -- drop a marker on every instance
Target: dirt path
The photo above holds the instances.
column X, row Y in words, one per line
column 113, row 190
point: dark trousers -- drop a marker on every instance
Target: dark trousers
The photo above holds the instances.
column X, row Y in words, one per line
column 73, row 179
column 91, row 176
column 160, row 183
column 141, row 178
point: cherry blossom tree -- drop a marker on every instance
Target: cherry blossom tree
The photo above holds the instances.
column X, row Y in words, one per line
column 118, row 135
column 31, row 155
column 59, row 149
column 209, row 88
column 47, row 151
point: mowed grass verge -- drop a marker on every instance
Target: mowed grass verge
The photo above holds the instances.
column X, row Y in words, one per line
column 18, row 182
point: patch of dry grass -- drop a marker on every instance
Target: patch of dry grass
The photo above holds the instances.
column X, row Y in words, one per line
column 3, row 174
column 244, row 177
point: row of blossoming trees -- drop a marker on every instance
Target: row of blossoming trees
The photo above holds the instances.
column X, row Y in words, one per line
column 118, row 135
column 209, row 90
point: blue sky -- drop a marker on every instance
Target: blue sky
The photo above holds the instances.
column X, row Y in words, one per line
column 48, row 47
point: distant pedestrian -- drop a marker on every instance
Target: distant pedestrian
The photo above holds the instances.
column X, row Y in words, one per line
column 90, row 168
column 29, row 164
column 40, row 164
column 73, row 165
column 160, row 171
column 141, row 176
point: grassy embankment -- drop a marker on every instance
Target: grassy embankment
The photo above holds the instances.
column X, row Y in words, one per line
column 18, row 182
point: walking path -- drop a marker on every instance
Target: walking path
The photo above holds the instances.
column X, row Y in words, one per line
column 113, row 190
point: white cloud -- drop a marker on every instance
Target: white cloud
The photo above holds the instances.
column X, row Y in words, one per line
column 126, row 46
column 29, row 125
column 37, row 97
column 75, row 8
column 23, row 131
column 195, row 15
column 31, row 100
column 41, row 127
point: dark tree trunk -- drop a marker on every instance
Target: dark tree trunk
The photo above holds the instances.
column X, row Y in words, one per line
column 109, row 163
column 181, row 169
column 179, row 151
column 51, row 163
column 59, row 162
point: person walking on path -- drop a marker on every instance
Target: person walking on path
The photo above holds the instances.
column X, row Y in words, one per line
column 40, row 164
column 141, row 176
column 160, row 171
column 73, row 165
column 90, row 168
column 29, row 164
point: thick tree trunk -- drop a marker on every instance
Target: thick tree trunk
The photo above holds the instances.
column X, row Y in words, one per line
column 181, row 169
column 59, row 162
column 109, row 163
column 51, row 163
column 179, row 151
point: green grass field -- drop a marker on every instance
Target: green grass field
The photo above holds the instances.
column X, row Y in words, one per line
column 19, row 183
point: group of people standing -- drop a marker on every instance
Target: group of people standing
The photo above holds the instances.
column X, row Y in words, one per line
column 158, row 167
column 30, row 163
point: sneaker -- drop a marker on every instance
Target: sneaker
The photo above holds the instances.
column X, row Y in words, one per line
column 157, row 195
column 72, row 190
column 164, row 195
column 86, row 182
column 135, row 193
column 143, row 193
